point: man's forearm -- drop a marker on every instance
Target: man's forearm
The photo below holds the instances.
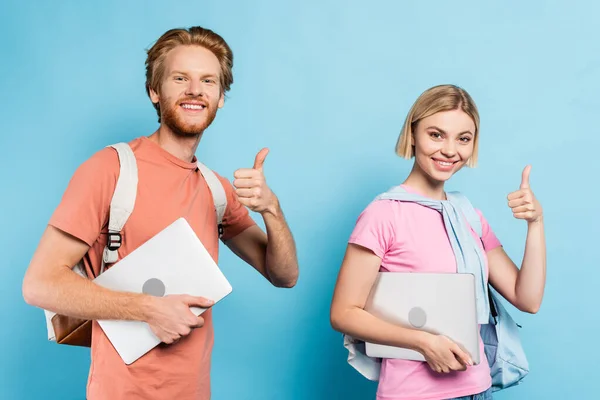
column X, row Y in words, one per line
column 64, row 292
column 281, row 260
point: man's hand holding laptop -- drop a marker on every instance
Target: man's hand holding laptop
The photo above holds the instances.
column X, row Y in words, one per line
column 170, row 317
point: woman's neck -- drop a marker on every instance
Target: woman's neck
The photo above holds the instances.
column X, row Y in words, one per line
column 422, row 183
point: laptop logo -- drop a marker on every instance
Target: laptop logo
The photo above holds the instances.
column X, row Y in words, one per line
column 154, row 287
column 417, row 317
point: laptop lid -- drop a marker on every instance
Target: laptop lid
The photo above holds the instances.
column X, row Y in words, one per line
column 174, row 261
column 439, row 303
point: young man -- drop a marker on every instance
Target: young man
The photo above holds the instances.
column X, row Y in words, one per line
column 188, row 73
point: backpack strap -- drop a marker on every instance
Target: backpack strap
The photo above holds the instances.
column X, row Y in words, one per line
column 122, row 203
column 120, row 209
column 218, row 194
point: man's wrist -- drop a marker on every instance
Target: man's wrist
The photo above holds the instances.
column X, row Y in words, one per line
column 274, row 210
column 143, row 306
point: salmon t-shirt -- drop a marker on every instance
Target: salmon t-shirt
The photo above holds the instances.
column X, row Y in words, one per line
column 409, row 237
column 168, row 188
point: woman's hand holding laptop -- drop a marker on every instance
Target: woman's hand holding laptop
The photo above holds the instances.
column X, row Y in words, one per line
column 170, row 317
column 443, row 355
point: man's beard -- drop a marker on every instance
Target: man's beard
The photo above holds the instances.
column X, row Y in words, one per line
column 182, row 129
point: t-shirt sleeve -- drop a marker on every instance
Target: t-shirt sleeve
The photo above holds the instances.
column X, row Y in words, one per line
column 488, row 237
column 374, row 228
column 83, row 209
column 236, row 218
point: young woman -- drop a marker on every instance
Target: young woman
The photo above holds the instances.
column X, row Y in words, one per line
column 441, row 132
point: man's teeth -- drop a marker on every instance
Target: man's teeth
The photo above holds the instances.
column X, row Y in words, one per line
column 193, row 106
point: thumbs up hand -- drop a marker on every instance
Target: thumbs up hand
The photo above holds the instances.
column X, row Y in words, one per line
column 523, row 203
column 251, row 186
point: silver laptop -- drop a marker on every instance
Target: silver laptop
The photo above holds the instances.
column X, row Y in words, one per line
column 174, row 261
column 439, row 303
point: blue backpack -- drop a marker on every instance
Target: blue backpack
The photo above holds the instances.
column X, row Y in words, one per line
column 503, row 349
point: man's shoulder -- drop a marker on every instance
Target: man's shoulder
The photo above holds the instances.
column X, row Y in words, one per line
column 107, row 158
column 103, row 162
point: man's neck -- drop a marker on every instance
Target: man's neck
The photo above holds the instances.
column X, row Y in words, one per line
column 183, row 148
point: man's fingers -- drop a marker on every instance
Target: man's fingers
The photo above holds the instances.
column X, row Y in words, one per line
column 195, row 301
column 199, row 322
column 244, row 173
column 248, row 201
column 247, row 182
column 245, row 192
column 170, row 339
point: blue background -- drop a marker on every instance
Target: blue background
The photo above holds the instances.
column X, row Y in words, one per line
column 326, row 86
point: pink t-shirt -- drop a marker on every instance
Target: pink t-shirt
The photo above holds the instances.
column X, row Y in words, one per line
column 412, row 238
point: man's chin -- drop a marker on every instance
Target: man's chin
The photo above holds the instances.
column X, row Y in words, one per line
column 186, row 126
column 188, row 130
column 189, row 133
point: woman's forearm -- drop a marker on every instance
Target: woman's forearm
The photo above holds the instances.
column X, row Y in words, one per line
column 364, row 326
column 531, row 279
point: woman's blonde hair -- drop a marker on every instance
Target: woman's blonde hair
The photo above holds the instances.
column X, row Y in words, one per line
column 434, row 100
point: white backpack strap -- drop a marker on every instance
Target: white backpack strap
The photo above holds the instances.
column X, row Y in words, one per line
column 218, row 194
column 122, row 202
column 121, row 207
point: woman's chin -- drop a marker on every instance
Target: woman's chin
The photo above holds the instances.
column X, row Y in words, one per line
column 439, row 176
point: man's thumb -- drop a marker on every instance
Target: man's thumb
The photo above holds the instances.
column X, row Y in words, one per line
column 260, row 159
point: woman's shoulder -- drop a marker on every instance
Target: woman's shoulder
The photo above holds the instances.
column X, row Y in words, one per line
column 383, row 208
